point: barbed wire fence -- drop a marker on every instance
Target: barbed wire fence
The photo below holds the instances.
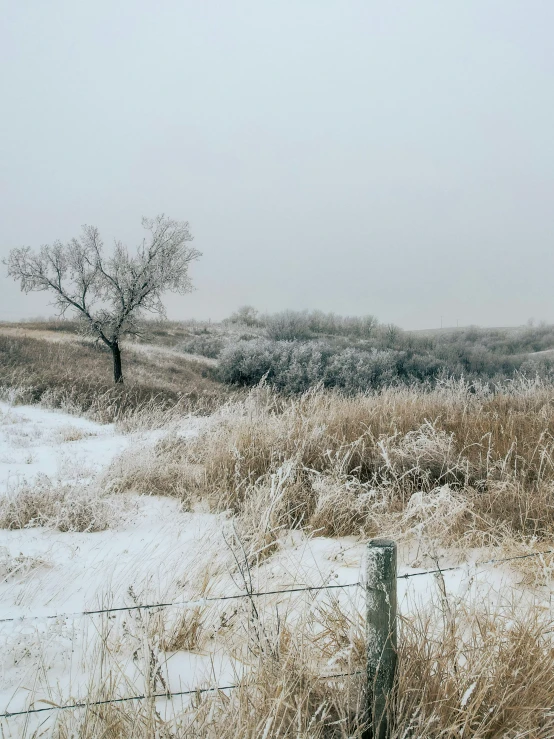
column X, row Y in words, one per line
column 381, row 629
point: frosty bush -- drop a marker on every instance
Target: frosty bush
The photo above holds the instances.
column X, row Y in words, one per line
column 388, row 352
column 295, row 366
column 203, row 344
column 356, row 371
column 288, row 326
column 293, row 325
column 362, row 327
column 246, row 315
column 245, row 363
column 290, row 366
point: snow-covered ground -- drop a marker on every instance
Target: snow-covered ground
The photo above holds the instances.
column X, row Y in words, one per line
column 36, row 440
column 157, row 553
column 151, row 554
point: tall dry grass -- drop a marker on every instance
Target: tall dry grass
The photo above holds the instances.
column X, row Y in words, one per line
column 475, row 674
column 457, row 461
column 462, row 672
column 62, row 506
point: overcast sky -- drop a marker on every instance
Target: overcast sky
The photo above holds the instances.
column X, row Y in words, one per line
column 356, row 156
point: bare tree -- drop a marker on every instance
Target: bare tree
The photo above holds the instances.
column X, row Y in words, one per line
column 110, row 293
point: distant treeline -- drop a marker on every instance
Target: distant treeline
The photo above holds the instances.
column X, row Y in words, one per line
column 295, row 350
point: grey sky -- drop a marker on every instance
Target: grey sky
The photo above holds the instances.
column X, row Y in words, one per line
column 394, row 158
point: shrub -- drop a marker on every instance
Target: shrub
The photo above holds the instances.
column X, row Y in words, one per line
column 204, row 344
column 356, row 371
column 293, row 325
column 295, row 366
column 246, row 315
column 362, row 327
column 289, row 366
column 288, row 326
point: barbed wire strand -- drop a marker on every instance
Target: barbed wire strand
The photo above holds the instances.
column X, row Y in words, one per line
column 475, row 564
column 169, row 696
column 185, row 603
column 213, row 599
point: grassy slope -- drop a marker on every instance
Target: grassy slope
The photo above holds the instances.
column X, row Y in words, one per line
column 79, row 372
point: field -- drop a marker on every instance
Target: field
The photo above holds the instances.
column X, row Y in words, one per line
column 178, row 488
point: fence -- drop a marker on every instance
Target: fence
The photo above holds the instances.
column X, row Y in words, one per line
column 381, row 632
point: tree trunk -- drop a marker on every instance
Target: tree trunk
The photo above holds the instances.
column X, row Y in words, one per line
column 116, row 354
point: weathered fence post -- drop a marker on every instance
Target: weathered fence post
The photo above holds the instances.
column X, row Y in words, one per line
column 381, row 634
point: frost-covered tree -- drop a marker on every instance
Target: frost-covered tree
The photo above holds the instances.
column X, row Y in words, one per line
column 109, row 293
column 246, row 314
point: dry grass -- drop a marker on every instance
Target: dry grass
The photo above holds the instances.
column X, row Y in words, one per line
column 476, row 674
column 61, row 506
column 153, row 470
column 76, row 377
column 281, row 691
column 18, row 566
column 450, row 464
column 463, row 673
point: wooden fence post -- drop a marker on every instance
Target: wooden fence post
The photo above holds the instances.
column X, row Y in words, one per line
column 381, row 634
